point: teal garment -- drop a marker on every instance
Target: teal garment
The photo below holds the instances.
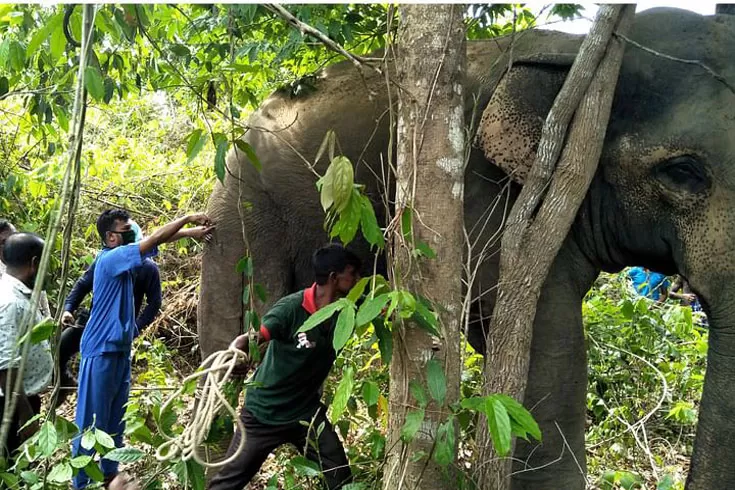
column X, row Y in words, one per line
column 648, row 283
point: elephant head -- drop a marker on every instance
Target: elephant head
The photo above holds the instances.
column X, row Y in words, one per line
column 664, row 193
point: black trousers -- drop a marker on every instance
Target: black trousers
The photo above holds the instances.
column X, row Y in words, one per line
column 262, row 439
column 14, row 441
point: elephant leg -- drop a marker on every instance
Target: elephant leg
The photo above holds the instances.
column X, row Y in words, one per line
column 557, row 384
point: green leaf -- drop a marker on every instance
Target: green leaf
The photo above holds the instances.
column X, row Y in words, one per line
column 179, row 50
column 109, row 90
column 4, row 86
column 42, row 331
column 407, row 224
column 424, row 249
column 10, row 480
column 48, row 439
column 475, row 403
column 104, row 439
column 80, row 461
column 125, row 455
column 345, row 327
column 414, row 419
column 57, row 43
column 305, row 467
column 446, row 442
column 245, row 266
column 323, row 314
column 343, row 180
column 197, row 478
column 358, row 289
column 94, row 472
column 93, row 83
column 194, row 145
column 342, row 394
column 61, row 473
column 246, row 148
column 371, row 308
column 246, row 295
column 499, row 424
column 29, row 477
column 666, row 483
column 349, row 219
column 385, row 341
column 369, row 223
column 436, row 381
column 219, row 159
column 425, row 318
column 520, row 416
column 260, row 292
column 370, row 393
column 88, row 440
column 418, row 392
column 43, row 33
column 326, row 192
column 17, row 56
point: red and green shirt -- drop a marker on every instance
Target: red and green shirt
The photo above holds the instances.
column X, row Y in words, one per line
column 295, row 364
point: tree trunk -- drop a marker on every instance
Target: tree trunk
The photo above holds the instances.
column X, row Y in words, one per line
column 430, row 65
column 543, row 214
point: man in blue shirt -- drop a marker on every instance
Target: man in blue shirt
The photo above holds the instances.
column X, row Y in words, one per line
column 104, row 371
column 649, row 284
column 146, row 285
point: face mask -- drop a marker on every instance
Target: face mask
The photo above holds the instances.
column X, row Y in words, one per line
column 128, row 237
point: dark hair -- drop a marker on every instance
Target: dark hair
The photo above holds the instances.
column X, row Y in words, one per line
column 21, row 248
column 332, row 258
column 5, row 225
column 106, row 221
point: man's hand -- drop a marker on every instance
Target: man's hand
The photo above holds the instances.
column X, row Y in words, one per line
column 199, row 219
column 242, row 342
column 67, row 319
column 200, row 232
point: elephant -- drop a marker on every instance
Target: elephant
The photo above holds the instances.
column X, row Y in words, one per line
column 663, row 197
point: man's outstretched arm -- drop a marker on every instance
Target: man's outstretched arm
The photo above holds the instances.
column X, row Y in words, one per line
column 168, row 231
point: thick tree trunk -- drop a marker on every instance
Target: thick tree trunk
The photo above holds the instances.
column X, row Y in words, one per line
column 430, row 60
column 543, row 215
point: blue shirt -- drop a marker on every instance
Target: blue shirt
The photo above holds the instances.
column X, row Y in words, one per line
column 111, row 326
column 146, row 284
column 648, row 283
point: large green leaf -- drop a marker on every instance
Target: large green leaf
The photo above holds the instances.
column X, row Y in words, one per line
column 418, row 393
column 345, row 327
column 195, row 143
column 42, row 331
column 104, row 439
column 385, row 341
column 246, row 148
column 414, row 419
column 436, row 381
column 93, row 83
column 61, row 473
column 499, row 424
column 343, row 179
column 125, row 455
column 219, row 159
column 342, row 394
column 446, row 442
column 371, row 308
column 47, row 439
column 305, row 467
column 370, row 393
column 520, row 416
column 80, row 461
column 369, row 224
column 324, row 314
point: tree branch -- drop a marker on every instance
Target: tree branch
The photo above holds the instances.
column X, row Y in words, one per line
column 306, row 29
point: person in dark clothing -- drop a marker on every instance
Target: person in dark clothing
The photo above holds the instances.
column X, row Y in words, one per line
column 146, row 285
column 284, row 406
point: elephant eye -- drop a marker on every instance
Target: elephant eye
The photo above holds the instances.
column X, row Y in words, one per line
column 683, row 173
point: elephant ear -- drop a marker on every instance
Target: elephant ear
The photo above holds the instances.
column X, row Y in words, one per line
column 510, row 128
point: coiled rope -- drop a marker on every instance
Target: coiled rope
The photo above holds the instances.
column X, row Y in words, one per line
column 217, row 370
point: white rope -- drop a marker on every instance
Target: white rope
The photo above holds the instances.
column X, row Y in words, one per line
column 217, row 368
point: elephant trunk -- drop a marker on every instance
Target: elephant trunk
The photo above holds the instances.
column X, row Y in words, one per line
column 714, row 448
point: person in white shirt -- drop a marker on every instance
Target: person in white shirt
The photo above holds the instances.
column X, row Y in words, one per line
column 7, row 229
column 21, row 255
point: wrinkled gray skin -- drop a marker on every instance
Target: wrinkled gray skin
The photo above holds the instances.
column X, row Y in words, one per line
column 663, row 197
